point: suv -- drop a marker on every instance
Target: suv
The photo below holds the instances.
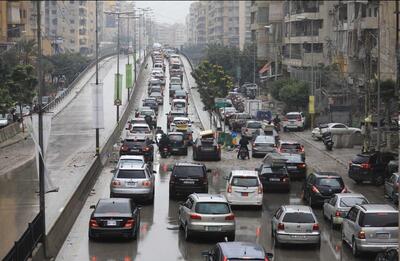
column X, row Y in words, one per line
column 320, row 186
column 206, row 147
column 132, row 180
column 243, row 187
column 371, row 227
column 138, row 147
column 250, row 128
column 187, row 178
column 207, row 214
column 368, row 167
column 237, row 251
column 238, row 120
column 294, row 120
column 273, row 173
column 292, row 147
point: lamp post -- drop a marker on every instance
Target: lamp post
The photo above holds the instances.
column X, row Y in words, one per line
column 97, row 77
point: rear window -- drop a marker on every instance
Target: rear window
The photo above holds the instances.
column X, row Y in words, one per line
column 176, row 137
column 188, row 171
column 291, row 146
column 147, row 113
column 359, row 159
column 275, row 170
column 131, row 143
column 212, row 208
column 116, row 207
column 293, row 116
column 298, row 217
column 379, row 219
column 131, row 174
column 330, row 182
column 349, row 202
column 254, row 125
column 244, row 181
column 179, row 105
column 140, row 129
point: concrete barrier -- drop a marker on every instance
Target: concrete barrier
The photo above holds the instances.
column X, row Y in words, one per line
column 9, row 131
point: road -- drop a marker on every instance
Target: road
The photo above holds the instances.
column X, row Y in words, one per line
column 159, row 234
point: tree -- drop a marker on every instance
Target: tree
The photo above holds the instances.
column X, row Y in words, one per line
column 292, row 92
column 212, row 82
column 5, row 99
column 26, row 50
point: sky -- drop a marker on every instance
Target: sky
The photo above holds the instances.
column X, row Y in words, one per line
column 169, row 12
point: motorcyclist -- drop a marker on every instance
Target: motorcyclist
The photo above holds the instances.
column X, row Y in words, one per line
column 243, row 144
column 159, row 130
column 148, row 120
column 164, row 142
column 277, row 122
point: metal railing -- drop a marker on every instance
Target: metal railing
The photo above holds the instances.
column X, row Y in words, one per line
column 23, row 248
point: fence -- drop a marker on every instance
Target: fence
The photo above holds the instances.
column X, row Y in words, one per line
column 23, row 248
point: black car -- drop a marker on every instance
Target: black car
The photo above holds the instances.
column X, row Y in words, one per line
column 206, row 148
column 320, row 186
column 187, row 178
column 114, row 217
column 274, row 176
column 178, row 143
column 138, row 147
column 370, row 167
column 237, row 251
column 295, row 165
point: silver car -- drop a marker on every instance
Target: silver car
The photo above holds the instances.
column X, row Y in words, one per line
column 337, row 207
column 262, row 145
column 295, row 224
column 391, row 187
column 207, row 214
column 371, row 228
column 133, row 180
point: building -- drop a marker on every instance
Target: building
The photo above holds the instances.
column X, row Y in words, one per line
column 172, row 35
column 244, row 23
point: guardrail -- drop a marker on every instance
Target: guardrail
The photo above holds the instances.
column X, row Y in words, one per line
column 23, row 248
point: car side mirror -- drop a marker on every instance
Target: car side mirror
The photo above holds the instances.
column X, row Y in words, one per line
column 154, row 172
column 206, row 253
column 92, row 206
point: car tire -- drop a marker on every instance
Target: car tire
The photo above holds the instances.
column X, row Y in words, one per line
column 231, row 237
column 354, row 248
column 188, row 233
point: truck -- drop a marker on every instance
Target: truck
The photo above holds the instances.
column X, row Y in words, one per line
column 252, row 107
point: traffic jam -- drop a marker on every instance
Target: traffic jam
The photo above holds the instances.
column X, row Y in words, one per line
column 178, row 189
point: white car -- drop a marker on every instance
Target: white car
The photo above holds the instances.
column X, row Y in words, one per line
column 294, row 121
column 243, row 187
column 226, row 110
column 130, row 159
column 140, row 131
column 333, row 128
column 250, row 128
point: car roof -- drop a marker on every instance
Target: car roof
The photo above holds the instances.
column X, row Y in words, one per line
column 289, row 142
column 322, row 174
column 179, row 100
column 242, row 250
column 132, row 165
column 181, row 119
column 112, row 200
column 265, row 139
column 350, row 195
column 377, row 208
column 297, row 208
column 177, row 112
column 189, row 164
column 247, row 173
column 205, row 197
column 175, row 133
column 132, row 157
column 293, row 113
column 140, row 125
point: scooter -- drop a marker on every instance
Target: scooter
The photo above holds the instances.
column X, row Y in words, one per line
column 243, row 153
column 164, row 152
column 327, row 140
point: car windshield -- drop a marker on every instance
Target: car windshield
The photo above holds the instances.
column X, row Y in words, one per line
column 212, row 208
column 298, row 217
column 330, row 182
column 360, row 159
column 244, row 181
column 131, row 174
column 140, row 129
column 254, row 125
column 382, row 219
column 351, row 201
column 174, row 137
column 188, row 171
column 113, row 207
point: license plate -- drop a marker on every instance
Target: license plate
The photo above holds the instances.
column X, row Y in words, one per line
column 134, row 150
column 274, row 179
column 175, row 149
column 188, row 182
column 214, row 228
column 131, row 184
column 207, row 148
column 245, row 194
column 291, row 167
column 382, row 235
column 111, row 223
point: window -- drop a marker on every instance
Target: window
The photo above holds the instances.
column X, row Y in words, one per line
column 131, row 174
column 352, row 215
column 350, row 202
column 382, row 219
column 188, row 171
column 212, row 208
column 112, row 207
column 330, row 182
column 298, row 217
column 262, row 15
column 244, row 182
column 339, row 126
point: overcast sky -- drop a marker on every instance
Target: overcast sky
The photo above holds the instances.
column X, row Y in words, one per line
column 167, row 11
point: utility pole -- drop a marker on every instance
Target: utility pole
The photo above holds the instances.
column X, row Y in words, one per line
column 397, row 51
column 134, row 50
column 128, row 54
column 97, row 76
column 378, row 141
column 312, row 72
column 40, row 130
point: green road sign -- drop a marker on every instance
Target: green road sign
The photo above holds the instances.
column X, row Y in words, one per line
column 118, row 89
column 129, row 82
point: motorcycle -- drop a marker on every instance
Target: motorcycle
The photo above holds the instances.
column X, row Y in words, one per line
column 243, row 153
column 327, row 140
column 164, row 152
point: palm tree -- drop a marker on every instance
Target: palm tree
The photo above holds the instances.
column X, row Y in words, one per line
column 26, row 49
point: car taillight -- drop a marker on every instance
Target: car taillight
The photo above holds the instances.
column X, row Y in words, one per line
column 361, row 235
column 314, row 189
column 129, row 223
column 195, row 216
column 93, row 223
column 337, row 214
column 124, row 148
column 116, row 183
column 365, row 166
column 298, row 118
column 146, row 183
column 301, row 149
column 281, row 226
column 315, row 227
column 146, row 149
column 285, row 179
column 229, row 190
column 344, row 190
column 260, row 189
column 302, row 165
column 230, row 217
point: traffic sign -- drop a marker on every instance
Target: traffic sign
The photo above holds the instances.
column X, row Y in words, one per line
column 117, row 102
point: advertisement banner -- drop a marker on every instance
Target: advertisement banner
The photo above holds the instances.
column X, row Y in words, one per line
column 97, row 106
column 311, row 105
column 118, row 89
column 128, row 72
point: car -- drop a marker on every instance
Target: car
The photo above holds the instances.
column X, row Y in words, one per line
column 181, row 94
column 178, row 143
column 180, row 124
column 273, row 173
column 243, row 187
column 336, row 208
column 334, row 128
column 391, row 187
column 206, row 147
column 158, row 97
column 226, row 112
column 140, row 131
column 295, row 165
column 133, row 180
column 370, row 167
column 114, row 217
column 175, row 80
column 138, row 146
column 295, row 224
column 237, row 250
column 371, row 228
column 152, row 103
column 293, row 147
column 154, row 81
column 250, row 128
column 187, row 178
column 208, row 214
column 320, row 186
column 179, row 105
column 144, row 111
column 5, row 119
column 391, row 254
column 262, row 145
column 173, row 88
column 172, row 115
column 294, row 120
column 238, row 120
column 130, row 159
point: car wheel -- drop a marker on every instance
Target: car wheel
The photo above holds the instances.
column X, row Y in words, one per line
column 354, row 249
column 231, row 236
column 188, row 235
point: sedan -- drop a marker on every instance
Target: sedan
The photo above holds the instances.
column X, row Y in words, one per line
column 114, row 218
column 334, row 128
column 262, row 145
column 295, row 166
